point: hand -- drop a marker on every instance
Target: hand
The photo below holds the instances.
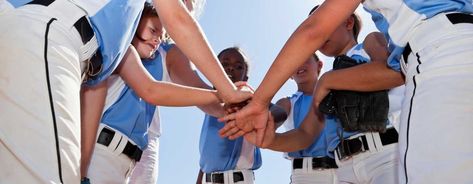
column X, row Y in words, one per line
column 269, row 134
column 243, row 93
column 242, row 86
column 254, row 116
column 320, row 91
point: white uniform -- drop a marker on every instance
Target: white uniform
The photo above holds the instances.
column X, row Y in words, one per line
column 435, row 40
column 313, row 164
column 40, row 80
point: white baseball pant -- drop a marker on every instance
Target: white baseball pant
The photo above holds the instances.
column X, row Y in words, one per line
column 437, row 114
column 40, row 80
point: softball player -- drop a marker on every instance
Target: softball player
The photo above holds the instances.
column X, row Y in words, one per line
column 432, row 46
column 49, row 40
column 372, row 156
column 312, row 164
column 123, row 131
column 55, row 42
column 222, row 160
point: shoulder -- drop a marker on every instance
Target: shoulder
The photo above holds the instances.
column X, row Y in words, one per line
column 376, row 46
column 373, row 40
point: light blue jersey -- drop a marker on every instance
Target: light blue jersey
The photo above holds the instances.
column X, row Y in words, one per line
column 398, row 18
column 300, row 106
column 125, row 111
column 114, row 23
column 18, row 3
column 222, row 154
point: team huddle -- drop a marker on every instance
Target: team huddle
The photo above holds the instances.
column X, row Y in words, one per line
column 395, row 108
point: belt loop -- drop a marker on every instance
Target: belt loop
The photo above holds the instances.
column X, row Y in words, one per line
column 118, row 149
column 370, row 144
column 378, row 145
column 88, row 49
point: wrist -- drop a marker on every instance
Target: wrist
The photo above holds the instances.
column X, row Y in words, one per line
column 260, row 100
column 218, row 97
column 323, row 81
column 272, row 143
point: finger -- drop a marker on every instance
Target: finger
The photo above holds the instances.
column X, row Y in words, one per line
column 236, row 109
column 260, row 136
column 231, row 132
column 269, row 132
column 227, row 117
column 225, row 129
column 260, row 132
column 229, row 110
column 240, row 84
column 237, row 135
column 252, row 89
column 245, row 95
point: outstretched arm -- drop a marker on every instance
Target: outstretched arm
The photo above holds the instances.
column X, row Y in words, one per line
column 299, row 138
column 187, row 34
column 160, row 93
column 181, row 72
column 307, row 38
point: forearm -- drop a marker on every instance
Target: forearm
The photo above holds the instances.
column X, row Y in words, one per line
column 131, row 70
column 301, row 137
column 92, row 103
column 170, row 94
column 180, row 69
column 293, row 54
column 290, row 141
column 181, row 72
column 307, row 38
column 371, row 76
column 187, row 34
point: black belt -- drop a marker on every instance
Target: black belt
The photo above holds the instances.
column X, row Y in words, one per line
column 86, row 33
column 219, row 178
column 130, row 150
column 454, row 18
column 317, row 163
column 350, row 147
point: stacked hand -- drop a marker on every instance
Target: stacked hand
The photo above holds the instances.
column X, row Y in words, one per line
column 237, row 96
column 252, row 118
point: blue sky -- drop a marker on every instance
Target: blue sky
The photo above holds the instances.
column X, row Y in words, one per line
column 260, row 28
